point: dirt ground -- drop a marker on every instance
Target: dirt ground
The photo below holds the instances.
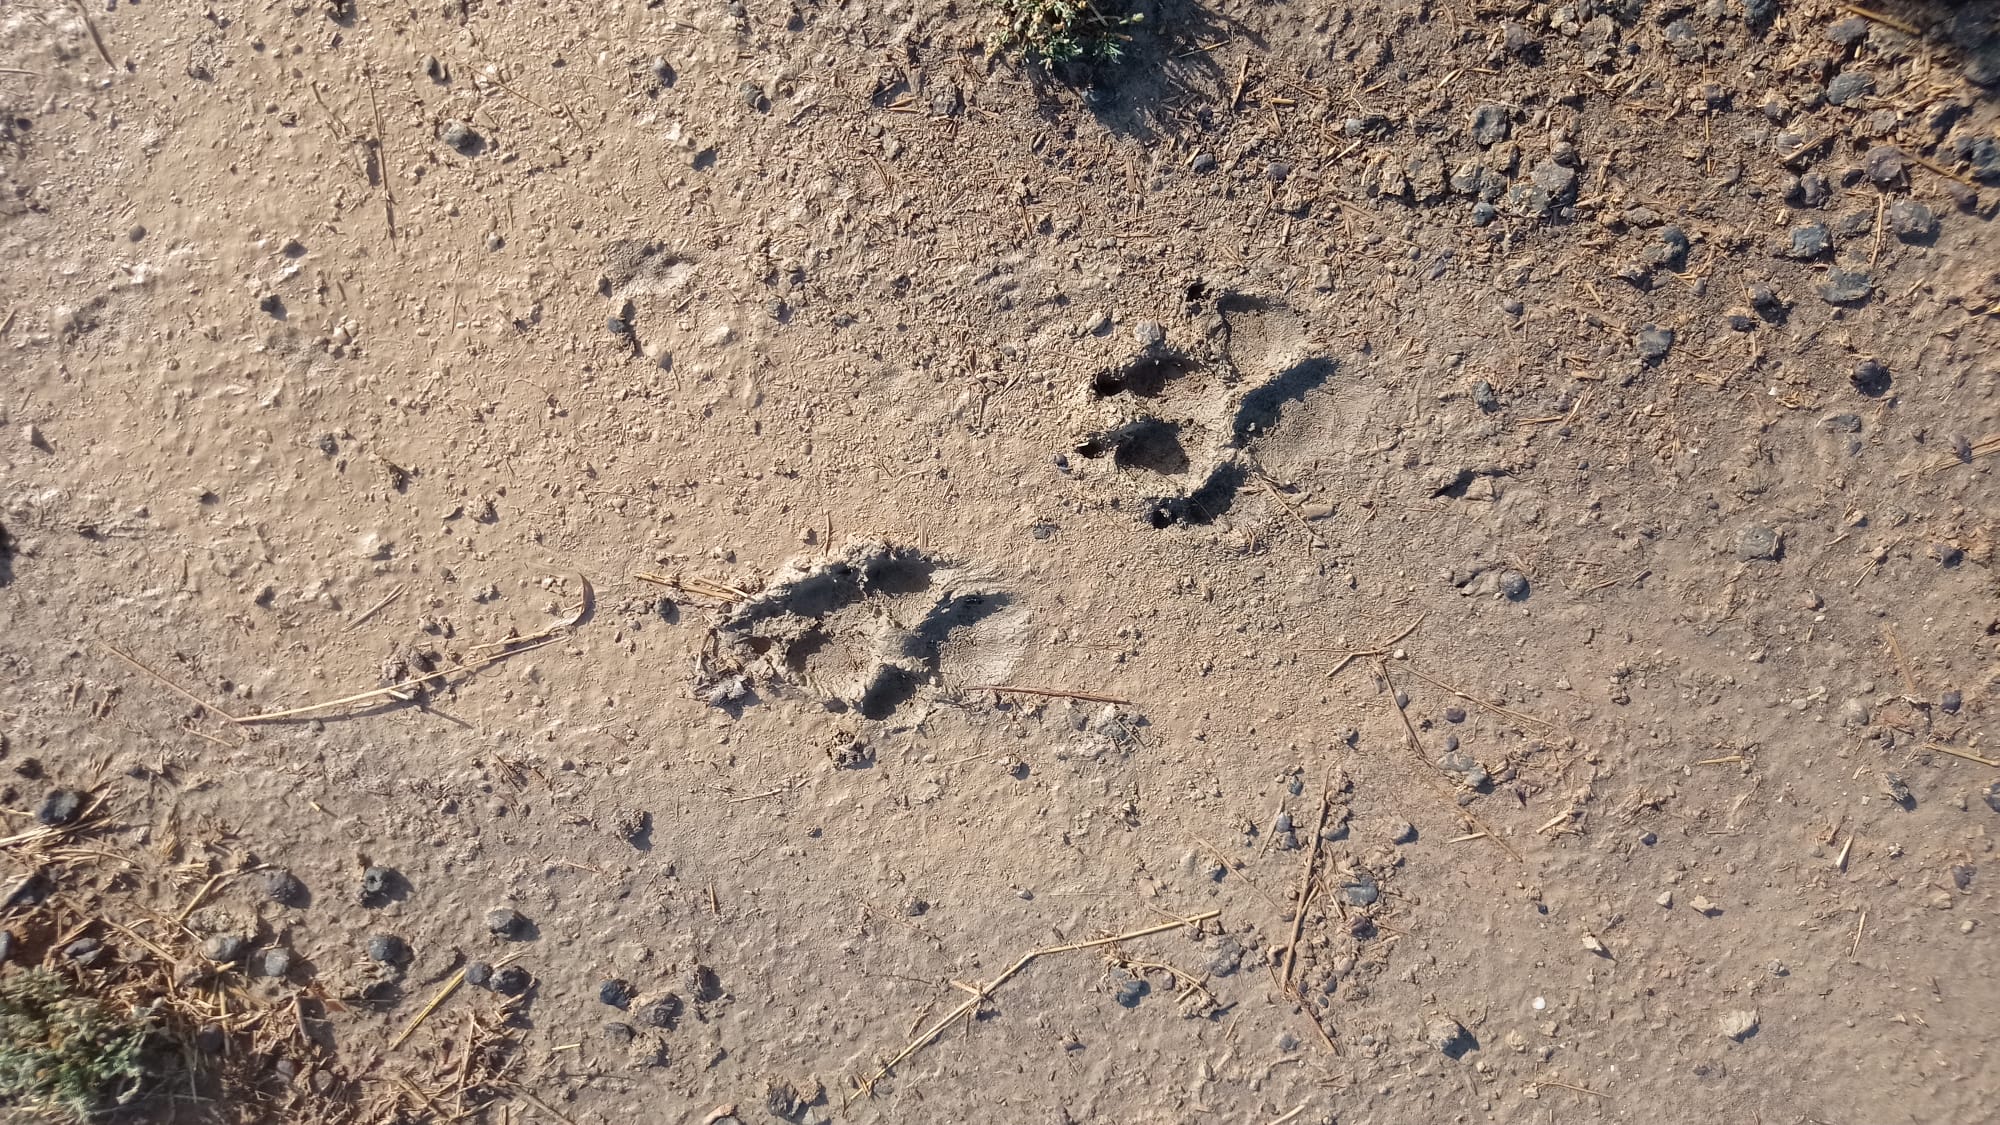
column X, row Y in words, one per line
column 1517, row 477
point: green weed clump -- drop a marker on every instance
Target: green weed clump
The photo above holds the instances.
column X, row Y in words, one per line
column 66, row 1053
column 1051, row 32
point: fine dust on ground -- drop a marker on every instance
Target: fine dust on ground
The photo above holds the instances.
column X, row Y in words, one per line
column 1517, row 477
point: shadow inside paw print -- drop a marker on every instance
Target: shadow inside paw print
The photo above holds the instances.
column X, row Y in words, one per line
column 1185, row 426
column 864, row 629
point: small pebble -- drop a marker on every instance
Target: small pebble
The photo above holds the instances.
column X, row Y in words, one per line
column 1884, row 165
column 1739, row 1025
column 478, row 973
column 1992, row 796
column 85, row 951
column 1849, row 86
column 136, row 234
column 377, row 882
column 1128, row 990
column 1703, row 906
column 1912, row 221
column 1846, row 287
column 6, row 945
column 1654, row 342
column 60, row 807
column 388, row 949
column 1149, row 334
column 1454, row 714
column 504, row 922
column 225, row 949
column 1449, row 1037
column 461, row 138
column 1401, row 832
column 1666, row 900
column 494, row 241
column 512, row 980
column 1759, row 544
column 1491, row 124
column 1202, row 162
column 208, row 1039
column 1809, row 241
column 274, row 962
column 1513, row 585
column 1871, row 377
column 620, row 1034
column 1846, row 32
column 1483, row 396
column 615, row 992
column 1648, row 838
column 662, row 1013
column 1361, row 890
column 1950, row 702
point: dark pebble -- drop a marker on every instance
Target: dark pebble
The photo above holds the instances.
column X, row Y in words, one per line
column 60, row 807
column 615, row 992
column 274, row 962
column 85, row 951
column 1128, row 990
column 503, row 922
column 377, row 881
column 664, row 1012
column 617, row 326
column 1885, row 166
column 1513, row 585
column 478, row 974
column 1950, row 702
column 328, row 445
column 1809, row 190
column 1483, row 396
column 1491, row 124
column 1961, row 876
column 620, row 1034
column 702, row 983
column 1755, row 543
column 209, row 1039
column 225, row 949
column 1847, row 32
column 1912, row 221
column 462, row 138
column 6, row 945
column 1846, row 287
column 388, row 949
column 1454, row 714
column 512, row 980
column 1809, row 241
column 136, row 234
column 1360, row 891
column 1648, row 838
column 1402, row 699
column 1871, row 378
column 284, row 888
column 1450, row 742
column 1849, row 85
column 1993, row 796
column 1670, row 250
column 1202, row 162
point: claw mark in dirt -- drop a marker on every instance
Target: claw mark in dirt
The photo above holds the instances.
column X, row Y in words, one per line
column 1185, row 425
column 865, row 629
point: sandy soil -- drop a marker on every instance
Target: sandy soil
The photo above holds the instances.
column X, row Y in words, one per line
column 1519, row 477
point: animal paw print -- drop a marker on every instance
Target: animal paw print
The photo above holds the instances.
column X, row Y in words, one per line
column 1183, row 426
column 865, row 629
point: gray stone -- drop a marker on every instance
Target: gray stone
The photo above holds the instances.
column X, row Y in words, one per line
column 1654, row 342
column 284, row 888
column 1809, row 241
column 225, row 949
column 61, row 807
column 1809, row 190
column 504, row 922
column 461, row 138
column 1449, row 1037
column 1491, row 124
column 615, row 992
column 1884, row 165
column 1912, row 221
column 1401, row 832
column 1360, row 890
column 1513, row 585
column 1202, row 162
column 377, row 881
column 478, row 974
column 1127, row 989
column 662, row 1013
column 1757, row 13
column 388, row 949
column 1846, row 287
column 1871, row 377
column 512, row 981
column 1982, row 153
column 274, row 962
column 1992, row 796
column 1950, row 702
column 1847, row 32
column 1483, row 396
column 1149, row 334
column 1669, row 250
column 1849, row 85
column 1759, row 544
column 1558, row 181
